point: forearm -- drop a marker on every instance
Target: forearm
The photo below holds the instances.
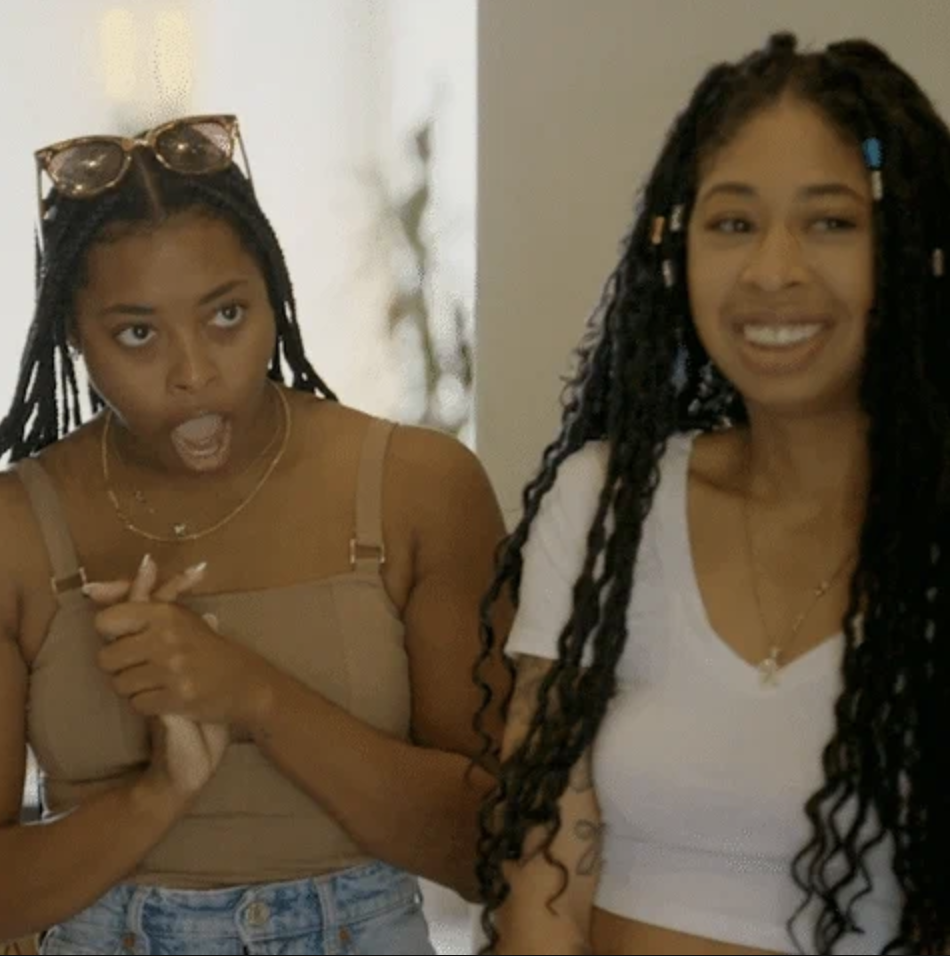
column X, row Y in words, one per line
column 535, row 945
column 411, row 807
column 538, row 934
column 525, row 924
column 51, row 871
column 539, row 944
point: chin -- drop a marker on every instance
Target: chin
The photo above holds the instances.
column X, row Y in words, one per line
column 802, row 403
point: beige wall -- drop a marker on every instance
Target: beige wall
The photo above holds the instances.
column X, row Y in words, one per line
column 574, row 98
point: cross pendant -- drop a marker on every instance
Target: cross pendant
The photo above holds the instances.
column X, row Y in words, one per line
column 769, row 668
column 180, row 530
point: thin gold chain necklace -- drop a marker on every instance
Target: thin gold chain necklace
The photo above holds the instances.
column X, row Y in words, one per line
column 180, row 530
column 140, row 498
column 775, row 660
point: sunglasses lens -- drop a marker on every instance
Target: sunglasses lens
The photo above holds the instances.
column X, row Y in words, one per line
column 85, row 169
column 201, row 147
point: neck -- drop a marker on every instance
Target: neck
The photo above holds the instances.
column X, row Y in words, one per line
column 816, row 464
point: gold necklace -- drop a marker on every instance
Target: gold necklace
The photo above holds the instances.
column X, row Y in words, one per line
column 773, row 662
column 180, row 532
column 140, row 498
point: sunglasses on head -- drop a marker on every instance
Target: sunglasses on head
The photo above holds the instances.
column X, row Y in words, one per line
column 87, row 166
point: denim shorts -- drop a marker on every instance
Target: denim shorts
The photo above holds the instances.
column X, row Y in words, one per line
column 368, row 909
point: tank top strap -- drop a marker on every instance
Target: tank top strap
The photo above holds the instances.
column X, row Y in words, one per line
column 68, row 574
column 367, row 547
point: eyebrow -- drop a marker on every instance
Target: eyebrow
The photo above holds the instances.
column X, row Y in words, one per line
column 816, row 191
column 123, row 308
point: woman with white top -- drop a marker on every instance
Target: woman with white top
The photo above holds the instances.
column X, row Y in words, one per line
column 728, row 727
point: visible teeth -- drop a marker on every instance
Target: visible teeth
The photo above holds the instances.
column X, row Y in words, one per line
column 780, row 334
column 200, row 431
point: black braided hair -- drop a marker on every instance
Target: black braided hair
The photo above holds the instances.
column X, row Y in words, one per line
column 47, row 401
column 642, row 376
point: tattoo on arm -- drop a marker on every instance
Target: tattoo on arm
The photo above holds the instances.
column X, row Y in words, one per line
column 593, row 834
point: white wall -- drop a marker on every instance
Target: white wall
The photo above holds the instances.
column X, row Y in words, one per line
column 324, row 89
column 52, row 85
column 328, row 92
column 574, row 98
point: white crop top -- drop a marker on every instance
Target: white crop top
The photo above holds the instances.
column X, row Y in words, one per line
column 702, row 773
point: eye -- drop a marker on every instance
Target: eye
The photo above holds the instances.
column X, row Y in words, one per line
column 834, row 224
column 135, row 336
column 730, row 225
column 230, row 315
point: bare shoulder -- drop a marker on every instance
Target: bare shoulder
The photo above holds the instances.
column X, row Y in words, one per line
column 23, row 559
column 424, row 456
column 421, row 450
column 442, row 484
column 21, row 547
column 13, row 670
column 431, row 478
column 71, row 464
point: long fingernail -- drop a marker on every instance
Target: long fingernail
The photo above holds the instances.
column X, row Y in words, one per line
column 196, row 572
column 96, row 589
column 146, row 564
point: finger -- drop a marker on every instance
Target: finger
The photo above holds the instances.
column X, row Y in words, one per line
column 138, row 680
column 174, row 587
column 122, row 654
column 123, row 620
column 145, row 580
column 107, row 593
column 155, row 703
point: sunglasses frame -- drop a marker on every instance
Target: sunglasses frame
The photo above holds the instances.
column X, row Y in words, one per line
column 148, row 140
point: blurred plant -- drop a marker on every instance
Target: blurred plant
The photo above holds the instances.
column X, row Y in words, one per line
column 430, row 324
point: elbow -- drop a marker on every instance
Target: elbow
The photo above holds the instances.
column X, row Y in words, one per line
column 456, row 873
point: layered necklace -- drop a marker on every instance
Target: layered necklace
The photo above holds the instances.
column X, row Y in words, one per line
column 182, row 530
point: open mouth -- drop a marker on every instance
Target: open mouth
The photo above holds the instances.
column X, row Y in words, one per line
column 775, row 347
column 781, row 336
column 203, row 443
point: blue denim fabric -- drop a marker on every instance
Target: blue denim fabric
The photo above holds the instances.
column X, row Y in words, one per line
column 369, row 909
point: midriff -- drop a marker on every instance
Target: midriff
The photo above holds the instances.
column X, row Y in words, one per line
column 613, row 935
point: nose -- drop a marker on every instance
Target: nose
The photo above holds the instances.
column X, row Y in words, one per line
column 191, row 368
column 776, row 262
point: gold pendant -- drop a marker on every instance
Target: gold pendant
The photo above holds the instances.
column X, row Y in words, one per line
column 769, row 668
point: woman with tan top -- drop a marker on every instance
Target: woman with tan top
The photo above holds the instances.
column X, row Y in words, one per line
column 256, row 738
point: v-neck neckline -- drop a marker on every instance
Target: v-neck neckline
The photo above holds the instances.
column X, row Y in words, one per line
column 814, row 664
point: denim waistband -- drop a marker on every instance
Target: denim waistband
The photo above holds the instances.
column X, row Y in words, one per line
column 259, row 910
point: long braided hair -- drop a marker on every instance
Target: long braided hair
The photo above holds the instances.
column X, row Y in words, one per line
column 47, row 402
column 642, row 376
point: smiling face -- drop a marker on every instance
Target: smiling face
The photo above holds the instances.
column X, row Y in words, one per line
column 781, row 261
column 177, row 333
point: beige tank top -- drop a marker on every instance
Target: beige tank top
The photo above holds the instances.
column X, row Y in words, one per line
column 341, row 635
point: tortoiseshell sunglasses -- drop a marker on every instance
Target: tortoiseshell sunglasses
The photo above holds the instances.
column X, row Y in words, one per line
column 87, row 166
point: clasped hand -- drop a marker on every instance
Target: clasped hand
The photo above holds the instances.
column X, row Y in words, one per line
column 167, row 660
